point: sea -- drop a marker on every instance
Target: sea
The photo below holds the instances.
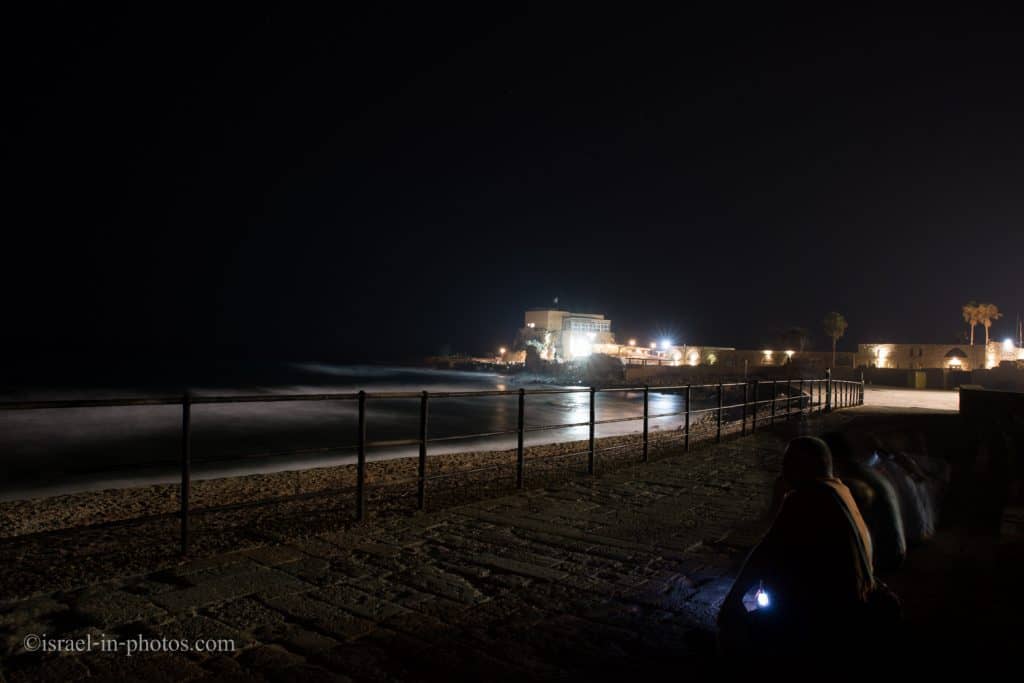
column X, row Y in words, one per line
column 50, row 451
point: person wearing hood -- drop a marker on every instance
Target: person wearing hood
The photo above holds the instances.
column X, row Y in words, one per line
column 812, row 571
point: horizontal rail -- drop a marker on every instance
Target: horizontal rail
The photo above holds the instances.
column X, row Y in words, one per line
column 382, row 395
column 809, row 396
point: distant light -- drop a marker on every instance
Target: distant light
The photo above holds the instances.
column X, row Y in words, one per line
column 789, row 354
column 502, row 350
column 579, row 345
column 654, row 345
column 762, row 598
column 1008, row 344
column 694, row 357
column 767, row 353
column 632, row 342
column 665, row 343
column 531, row 325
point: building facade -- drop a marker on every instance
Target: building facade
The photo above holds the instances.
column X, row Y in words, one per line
column 946, row 356
column 564, row 335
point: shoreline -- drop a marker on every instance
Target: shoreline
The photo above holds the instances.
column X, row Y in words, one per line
column 543, row 462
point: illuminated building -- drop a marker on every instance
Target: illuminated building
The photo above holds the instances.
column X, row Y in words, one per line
column 943, row 356
column 565, row 335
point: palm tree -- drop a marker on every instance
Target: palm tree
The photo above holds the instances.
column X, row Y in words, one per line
column 835, row 327
column 986, row 314
column 971, row 311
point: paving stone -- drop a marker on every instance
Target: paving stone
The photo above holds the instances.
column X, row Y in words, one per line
column 198, row 627
column 214, row 564
column 298, row 639
column 268, row 659
column 308, row 674
column 109, row 607
column 516, row 567
column 359, row 602
column 245, row 614
column 365, row 661
column 12, row 614
column 151, row 668
column 314, row 570
column 267, row 582
column 225, row 669
column 53, row 669
column 444, row 584
column 272, row 555
column 322, row 616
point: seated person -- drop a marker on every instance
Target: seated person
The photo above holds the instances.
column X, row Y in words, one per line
column 814, row 565
column 856, row 464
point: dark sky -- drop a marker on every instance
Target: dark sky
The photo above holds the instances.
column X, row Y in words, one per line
column 278, row 184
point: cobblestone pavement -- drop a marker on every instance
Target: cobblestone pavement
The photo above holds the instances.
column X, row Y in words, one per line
column 596, row 577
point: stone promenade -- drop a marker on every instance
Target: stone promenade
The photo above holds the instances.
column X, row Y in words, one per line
column 596, row 577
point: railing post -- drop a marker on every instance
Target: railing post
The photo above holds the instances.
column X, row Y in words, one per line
column 519, row 438
column 647, row 393
column 775, row 394
column 801, row 390
column 828, row 390
column 186, row 466
column 718, row 432
column 789, row 398
column 743, row 421
column 422, row 492
column 757, row 393
column 689, row 400
column 361, row 460
column 861, row 398
column 590, row 446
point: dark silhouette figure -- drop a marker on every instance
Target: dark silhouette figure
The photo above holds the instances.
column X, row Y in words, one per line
column 814, row 565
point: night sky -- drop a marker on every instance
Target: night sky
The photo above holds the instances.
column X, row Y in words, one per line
column 268, row 183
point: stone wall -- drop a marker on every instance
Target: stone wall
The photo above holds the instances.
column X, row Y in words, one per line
column 925, row 356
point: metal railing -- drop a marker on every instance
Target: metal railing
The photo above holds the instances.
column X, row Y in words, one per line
column 808, row 395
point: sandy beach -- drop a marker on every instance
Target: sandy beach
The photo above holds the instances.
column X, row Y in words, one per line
column 390, row 483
